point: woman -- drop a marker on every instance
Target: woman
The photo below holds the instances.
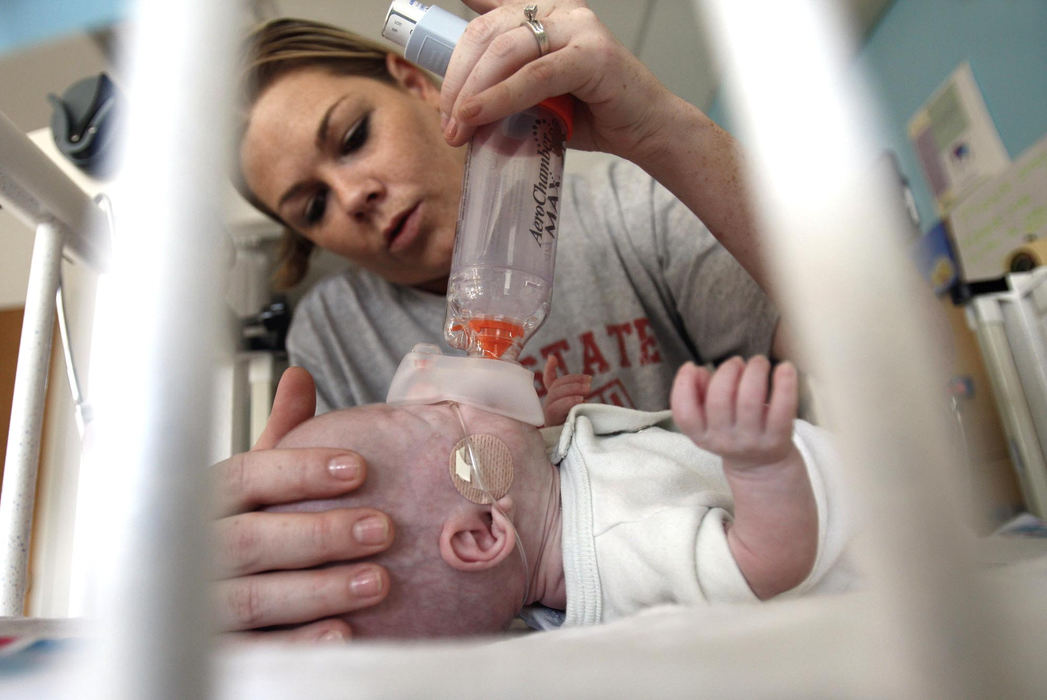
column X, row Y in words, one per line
column 357, row 151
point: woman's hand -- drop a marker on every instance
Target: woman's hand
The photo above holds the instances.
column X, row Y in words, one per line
column 620, row 108
column 495, row 71
column 266, row 560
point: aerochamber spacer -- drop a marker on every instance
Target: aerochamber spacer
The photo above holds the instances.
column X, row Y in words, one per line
column 427, row 376
column 493, row 475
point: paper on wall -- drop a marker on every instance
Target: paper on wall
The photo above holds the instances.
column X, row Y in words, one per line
column 955, row 140
column 1002, row 214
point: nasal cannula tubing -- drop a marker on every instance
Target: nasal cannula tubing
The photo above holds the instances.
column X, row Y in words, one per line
column 474, row 467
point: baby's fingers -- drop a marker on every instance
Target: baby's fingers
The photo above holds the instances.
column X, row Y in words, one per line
column 549, row 372
column 752, row 395
column 722, row 394
column 687, row 398
column 570, row 385
column 564, row 393
column 784, row 400
column 555, row 412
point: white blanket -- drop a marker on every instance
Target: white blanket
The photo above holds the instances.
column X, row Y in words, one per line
column 820, row 647
column 841, row 646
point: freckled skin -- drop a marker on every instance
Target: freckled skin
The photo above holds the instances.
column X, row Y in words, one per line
column 365, row 179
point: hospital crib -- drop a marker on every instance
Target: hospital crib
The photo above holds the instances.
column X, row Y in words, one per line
column 1011, row 327
column 927, row 622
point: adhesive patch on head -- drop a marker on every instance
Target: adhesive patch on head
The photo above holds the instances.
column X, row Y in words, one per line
column 495, row 466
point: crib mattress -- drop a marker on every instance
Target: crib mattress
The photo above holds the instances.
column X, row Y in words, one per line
column 834, row 646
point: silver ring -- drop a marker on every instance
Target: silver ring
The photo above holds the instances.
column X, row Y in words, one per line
column 531, row 20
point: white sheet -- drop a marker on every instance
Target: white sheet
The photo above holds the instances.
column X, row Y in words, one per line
column 824, row 647
column 831, row 647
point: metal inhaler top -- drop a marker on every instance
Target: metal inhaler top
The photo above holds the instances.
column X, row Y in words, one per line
column 427, row 33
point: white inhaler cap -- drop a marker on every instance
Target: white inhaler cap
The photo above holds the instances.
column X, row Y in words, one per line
column 427, row 33
column 426, row 375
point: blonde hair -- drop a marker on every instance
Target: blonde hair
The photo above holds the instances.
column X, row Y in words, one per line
column 279, row 47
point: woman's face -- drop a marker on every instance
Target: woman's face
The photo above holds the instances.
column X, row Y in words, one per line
column 359, row 167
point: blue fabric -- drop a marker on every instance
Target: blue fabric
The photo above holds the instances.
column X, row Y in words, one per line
column 539, row 617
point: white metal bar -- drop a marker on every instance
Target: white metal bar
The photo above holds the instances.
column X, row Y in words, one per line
column 157, row 342
column 851, row 294
column 261, row 376
column 27, row 416
column 1007, row 390
column 1023, row 323
column 35, row 190
column 38, row 193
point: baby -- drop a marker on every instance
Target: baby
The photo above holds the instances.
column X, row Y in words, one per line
column 723, row 499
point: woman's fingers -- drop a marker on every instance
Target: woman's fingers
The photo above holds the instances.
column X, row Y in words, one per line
column 330, row 631
column 294, row 403
column 285, row 543
column 483, row 6
column 289, row 597
column 249, row 480
column 507, row 51
column 467, row 52
column 526, row 87
column 497, row 70
column 256, row 542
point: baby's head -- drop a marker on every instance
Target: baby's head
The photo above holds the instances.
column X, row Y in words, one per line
column 454, row 565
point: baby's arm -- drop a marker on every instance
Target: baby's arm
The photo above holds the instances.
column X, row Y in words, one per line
column 564, row 393
column 774, row 535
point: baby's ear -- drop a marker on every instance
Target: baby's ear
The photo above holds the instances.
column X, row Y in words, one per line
column 475, row 538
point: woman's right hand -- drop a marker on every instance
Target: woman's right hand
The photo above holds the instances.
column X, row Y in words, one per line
column 496, row 70
column 267, row 561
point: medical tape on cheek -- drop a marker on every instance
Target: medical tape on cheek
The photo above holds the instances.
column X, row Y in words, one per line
column 481, row 468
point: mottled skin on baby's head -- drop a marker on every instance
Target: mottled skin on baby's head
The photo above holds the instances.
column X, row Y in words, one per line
column 408, row 451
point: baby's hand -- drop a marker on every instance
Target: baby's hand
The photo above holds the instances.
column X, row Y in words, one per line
column 564, row 393
column 727, row 413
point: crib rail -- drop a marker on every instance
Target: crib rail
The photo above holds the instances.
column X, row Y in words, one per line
column 866, row 323
column 38, row 193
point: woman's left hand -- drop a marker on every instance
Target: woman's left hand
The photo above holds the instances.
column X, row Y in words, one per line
column 496, row 70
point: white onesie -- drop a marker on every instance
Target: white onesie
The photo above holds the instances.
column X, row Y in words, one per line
column 644, row 511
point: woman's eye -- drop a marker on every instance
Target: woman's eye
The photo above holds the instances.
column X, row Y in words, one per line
column 356, row 136
column 314, row 208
